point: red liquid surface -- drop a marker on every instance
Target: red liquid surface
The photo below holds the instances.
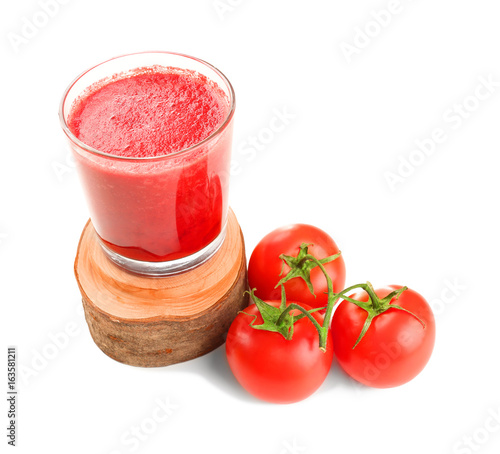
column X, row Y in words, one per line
column 154, row 209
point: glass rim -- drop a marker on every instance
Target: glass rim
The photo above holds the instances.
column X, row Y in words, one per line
column 216, row 132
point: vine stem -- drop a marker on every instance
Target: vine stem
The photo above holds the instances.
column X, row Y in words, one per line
column 293, row 306
column 333, row 298
column 374, row 306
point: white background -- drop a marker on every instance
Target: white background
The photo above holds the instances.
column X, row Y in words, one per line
column 356, row 113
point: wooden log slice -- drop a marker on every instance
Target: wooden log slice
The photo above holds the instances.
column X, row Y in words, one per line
column 157, row 321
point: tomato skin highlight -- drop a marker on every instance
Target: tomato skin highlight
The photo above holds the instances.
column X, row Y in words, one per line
column 265, row 266
column 273, row 368
column 395, row 348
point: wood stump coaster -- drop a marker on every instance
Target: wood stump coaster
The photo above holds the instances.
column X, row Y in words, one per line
column 157, row 321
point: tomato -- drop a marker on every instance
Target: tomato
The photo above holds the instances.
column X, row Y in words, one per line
column 273, row 368
column 265, row 266
column 396, row 346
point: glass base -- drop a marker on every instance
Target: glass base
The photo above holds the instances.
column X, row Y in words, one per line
column 157, row 269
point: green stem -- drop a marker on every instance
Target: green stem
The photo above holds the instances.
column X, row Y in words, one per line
column 293, row 306
column 332, row 300
column 335, row 299
column 331, row 295
column 368, row 288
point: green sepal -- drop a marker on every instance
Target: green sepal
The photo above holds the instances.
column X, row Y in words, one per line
column 301, row 266
column 395, row 294
column 283, row 299
column 376, row 306
column 279, row 320
column 270, row 316
column 366, row 325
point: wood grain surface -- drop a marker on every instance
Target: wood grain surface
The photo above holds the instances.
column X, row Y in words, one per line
column 157, row 321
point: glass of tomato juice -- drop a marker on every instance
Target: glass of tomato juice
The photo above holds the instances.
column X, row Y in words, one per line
column 151, row 134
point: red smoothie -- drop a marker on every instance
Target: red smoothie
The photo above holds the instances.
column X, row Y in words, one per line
column 150, row 199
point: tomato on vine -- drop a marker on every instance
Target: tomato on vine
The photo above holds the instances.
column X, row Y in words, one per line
column 277, row 360
column 385, row 337
column 281, row 351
